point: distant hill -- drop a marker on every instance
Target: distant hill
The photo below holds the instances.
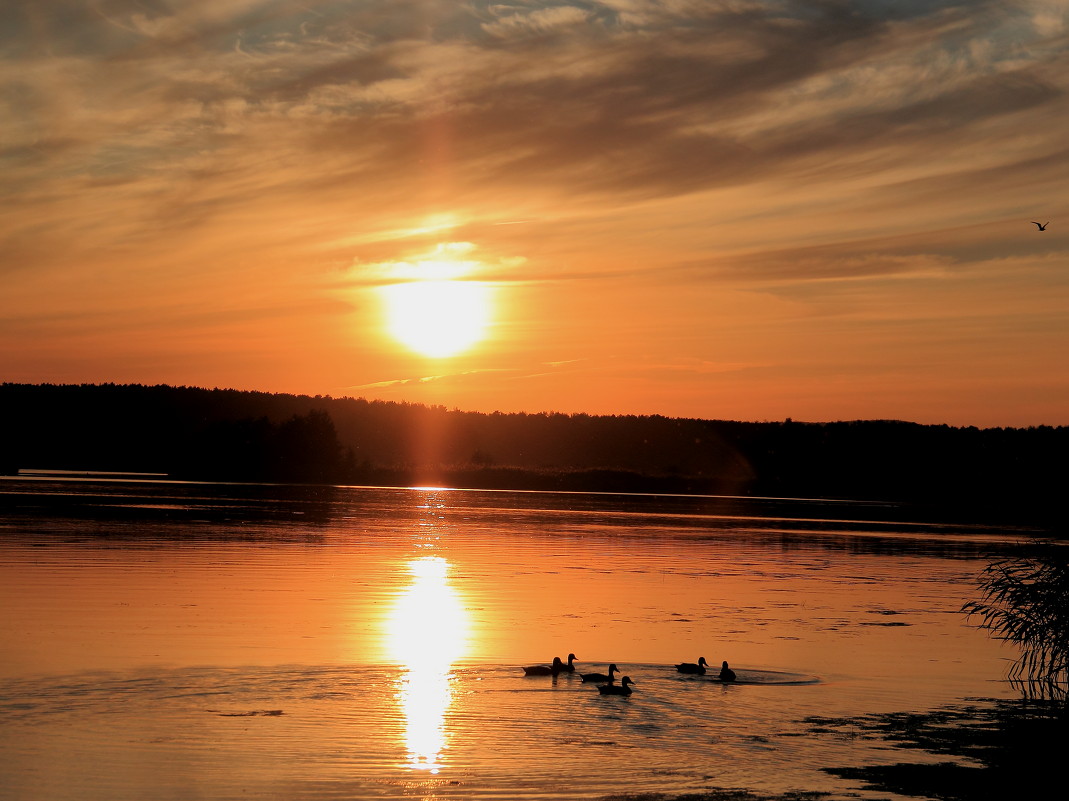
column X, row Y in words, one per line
column 222, row 434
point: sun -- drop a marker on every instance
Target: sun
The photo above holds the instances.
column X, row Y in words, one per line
column 438, row 319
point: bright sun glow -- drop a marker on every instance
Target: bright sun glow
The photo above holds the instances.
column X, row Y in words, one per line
column 438, row 318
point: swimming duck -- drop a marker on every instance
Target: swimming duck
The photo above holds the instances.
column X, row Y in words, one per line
column 546, row 670
column 600, row 678
column 691, row 667
column 617, row 689
column 726, row 673
column 569, row 668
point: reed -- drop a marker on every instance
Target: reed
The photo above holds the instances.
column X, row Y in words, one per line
column 1026, row 601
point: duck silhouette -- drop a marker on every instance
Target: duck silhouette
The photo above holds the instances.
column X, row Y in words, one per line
column 692, row 667
column 726, row 673
column 570, row 667
column 623, row 688
column 546, row 670
column 1042, row 226
column 600, row 678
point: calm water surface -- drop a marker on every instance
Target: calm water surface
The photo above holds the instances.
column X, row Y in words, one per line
column 191, row 641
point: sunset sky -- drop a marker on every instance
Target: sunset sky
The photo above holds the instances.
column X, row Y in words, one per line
column 736, row 210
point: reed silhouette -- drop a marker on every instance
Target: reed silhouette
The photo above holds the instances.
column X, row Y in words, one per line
column 1026, row 601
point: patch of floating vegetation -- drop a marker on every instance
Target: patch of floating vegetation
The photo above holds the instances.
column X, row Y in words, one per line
column 994, row 749
column 721, row 795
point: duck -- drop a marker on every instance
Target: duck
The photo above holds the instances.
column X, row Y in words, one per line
column 623, row 688
column 692, row 667
column 570, row 667
column 726, row 673
column 546, row 670
column 600, row 678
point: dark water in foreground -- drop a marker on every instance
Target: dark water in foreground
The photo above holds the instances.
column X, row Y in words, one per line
column 177, row 641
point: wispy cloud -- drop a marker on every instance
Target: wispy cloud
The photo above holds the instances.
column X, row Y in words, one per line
column 178, row 154
column 245, row 99
column 424, row 379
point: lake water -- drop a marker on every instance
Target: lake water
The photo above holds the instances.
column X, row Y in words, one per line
column 193, row 641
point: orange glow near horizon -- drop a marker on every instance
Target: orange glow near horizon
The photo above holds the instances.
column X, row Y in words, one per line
column 426, row 634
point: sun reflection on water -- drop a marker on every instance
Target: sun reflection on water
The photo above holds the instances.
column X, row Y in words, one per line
column 426, row 634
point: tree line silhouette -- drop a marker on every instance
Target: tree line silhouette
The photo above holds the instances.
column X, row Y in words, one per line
column 232, row 435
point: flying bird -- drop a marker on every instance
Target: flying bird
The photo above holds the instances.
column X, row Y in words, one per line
column 1042, row 226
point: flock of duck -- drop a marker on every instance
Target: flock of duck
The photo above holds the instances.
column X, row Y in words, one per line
column 607, row 681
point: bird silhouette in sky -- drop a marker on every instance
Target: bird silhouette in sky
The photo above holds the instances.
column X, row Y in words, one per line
column 1043, row 226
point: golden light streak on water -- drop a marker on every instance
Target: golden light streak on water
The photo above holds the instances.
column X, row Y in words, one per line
column 427, row 632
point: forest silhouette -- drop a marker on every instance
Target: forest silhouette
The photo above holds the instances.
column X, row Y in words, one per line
column 231, row 435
